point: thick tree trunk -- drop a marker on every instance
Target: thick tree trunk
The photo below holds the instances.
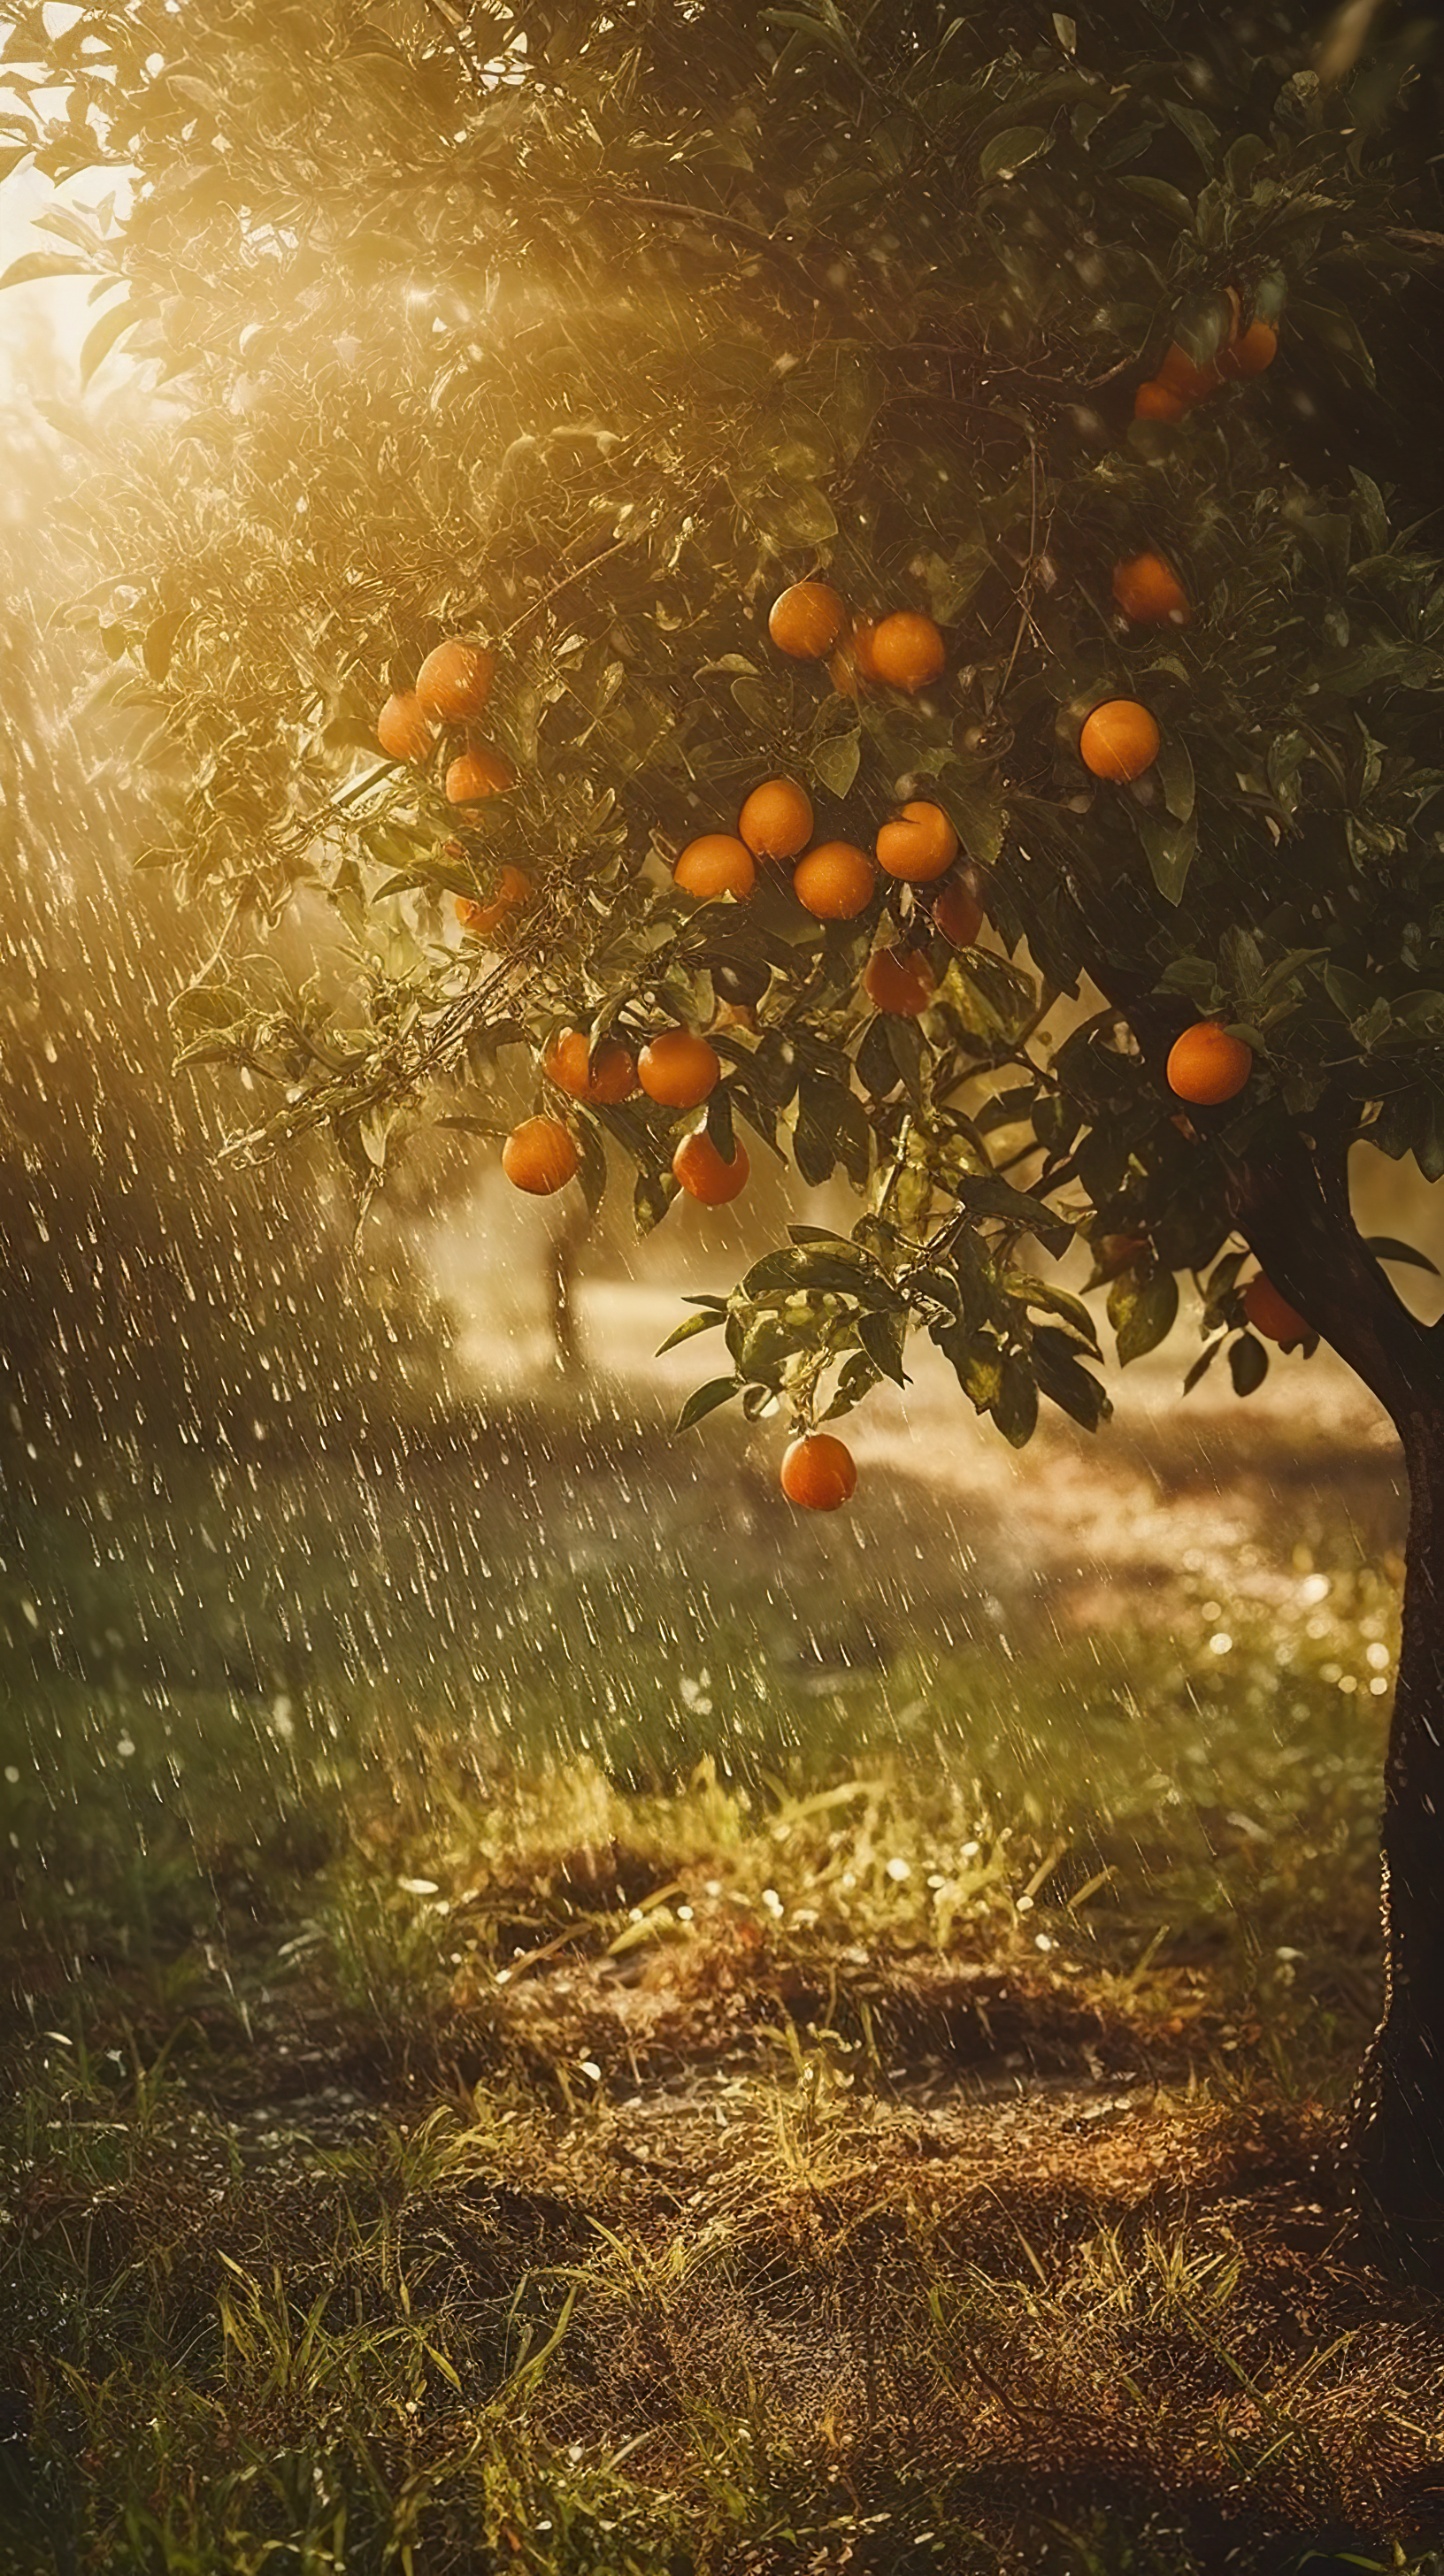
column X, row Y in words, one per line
column 1295, row 1214
column 1397, row 2130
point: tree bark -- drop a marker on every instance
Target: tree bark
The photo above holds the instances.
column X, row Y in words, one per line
column 1294, row 1213
column 1396, row 2129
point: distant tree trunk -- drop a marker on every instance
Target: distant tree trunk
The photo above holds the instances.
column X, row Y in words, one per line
column 1398, row 2120
column 564, row 1246
column 1294, row 1213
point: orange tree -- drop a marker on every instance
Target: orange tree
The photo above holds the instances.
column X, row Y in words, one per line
column 518, row 359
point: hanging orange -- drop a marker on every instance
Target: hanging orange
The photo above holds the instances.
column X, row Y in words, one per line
column 835, row 881
column 714, row 865
column 1120, row 740
column 776, row 821
column 701, row 1171
column 1206, row 1065
column 1272, row 1315
column 601, row 1076
column 479, row 772
column 1149, row 591
column 918, row 845
column 900, row 984
column 402, row 729
column 678, row 1069
column 454, row 681
column 819, row 1473
column 806, row 620
column 907, row 650
column 539, row 1156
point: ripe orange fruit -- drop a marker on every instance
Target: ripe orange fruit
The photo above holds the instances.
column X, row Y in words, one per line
column 715, row 865
column 602, row 1076
column 901, row 984
column 513, row 894
column 776, row 821
column 402, row 729
column 1120, row 740
column 678, row 1068
column 1179, row 374
column 455, row 681
column 481, row 771
column 539, row 1156
column 835, row 881
column 806, row 620
column 958, row 914
column 907, row 650
column 1253, row 350
column 918, row 845
column 700, row 1170
column 1206, row 1065
column 1272, row 1315
column 1148, row 591
column 818, row 1473
column 1155, row 401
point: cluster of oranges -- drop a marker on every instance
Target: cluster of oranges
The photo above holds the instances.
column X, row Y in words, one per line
column 452, row 687
column 1181, row 382
column 813, row 623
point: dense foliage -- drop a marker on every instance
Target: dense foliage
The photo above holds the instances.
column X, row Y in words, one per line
column 585, row 334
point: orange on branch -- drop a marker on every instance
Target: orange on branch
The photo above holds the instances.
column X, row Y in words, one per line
column 819, row 1473
column 715, row 865
column 958, row 914
column 1253, row 350
column 806, row 620
column 1119, row 740
column 454, row 681
column 835, row 881
column 513, row 894
column 601, row 1076
column 402, row 728
column 477, row 772
column 897, row 983
column 907, row 650
column 1157, row 401
column 1272, row 1315
column 539, row 1156
column 918, row 845
column 1179, row 374
column 678, row 1069
column 1148, row 591
column 1206, row 1065
column 776, row 821
column 700, row 1170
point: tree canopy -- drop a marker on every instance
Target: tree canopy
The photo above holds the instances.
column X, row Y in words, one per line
column 584, row 334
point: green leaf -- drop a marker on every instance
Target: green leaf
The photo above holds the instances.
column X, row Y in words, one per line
column 1202, row 1364
column 688, row 1331
column 1174, row 772
column 1385, row 1247
column 831, row 1273
column 884, row 1338
column 1142, row 1312
column 1248, row 1364
column 43, row 263
column 1015, row 1406
column 1169, row 200
column 1008, row 152
column 835, row 762
column 705, row 1399
column 1172, row 848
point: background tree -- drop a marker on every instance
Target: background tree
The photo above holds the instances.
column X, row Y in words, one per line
column 580, row 335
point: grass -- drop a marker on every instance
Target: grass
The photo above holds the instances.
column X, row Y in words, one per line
column 865, row 2101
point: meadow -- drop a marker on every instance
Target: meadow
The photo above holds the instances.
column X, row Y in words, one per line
column 558, row 2019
